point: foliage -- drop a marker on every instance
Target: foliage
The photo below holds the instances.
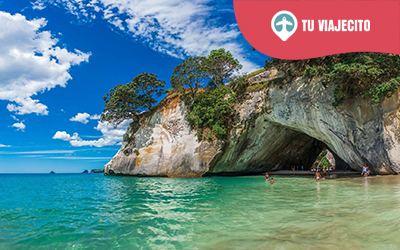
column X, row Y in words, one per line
column 129, row 100
column 191, row 74
column 322, row 154
column 254, row 73
column 373, row 75
column 324, row 163
column 221, row 65
column 211, row 112
column 149, row 88
column 239, row 85
column 121, row 104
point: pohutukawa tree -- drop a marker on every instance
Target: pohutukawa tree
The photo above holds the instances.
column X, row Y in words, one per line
column 130, row 100
column 221, row 66
column 190, row 74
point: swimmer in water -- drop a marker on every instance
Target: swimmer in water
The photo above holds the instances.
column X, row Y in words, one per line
column 266, row 177
column 272, row 181
column 317, row 176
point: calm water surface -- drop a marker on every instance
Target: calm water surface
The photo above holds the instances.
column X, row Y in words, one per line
column 97, row 212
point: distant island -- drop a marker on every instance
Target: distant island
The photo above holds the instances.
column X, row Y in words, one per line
column 52, row 172
column 97, row 171
column 85, row 172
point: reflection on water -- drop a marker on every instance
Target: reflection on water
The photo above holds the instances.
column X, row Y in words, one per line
column 92, row 211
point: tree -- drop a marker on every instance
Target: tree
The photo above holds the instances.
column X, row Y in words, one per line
column 130, row 100
column 221, row 65
column 121, row 104
column 149, row 88
column 190, row 74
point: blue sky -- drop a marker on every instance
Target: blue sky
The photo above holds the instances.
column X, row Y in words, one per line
column 58, row 58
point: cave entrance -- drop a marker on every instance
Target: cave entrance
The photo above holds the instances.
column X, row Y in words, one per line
column 270, row 147
column 303, row 152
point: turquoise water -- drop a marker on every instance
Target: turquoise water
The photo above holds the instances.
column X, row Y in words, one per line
column 97, row 212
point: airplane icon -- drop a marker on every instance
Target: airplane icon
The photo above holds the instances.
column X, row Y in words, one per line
column 284, row 22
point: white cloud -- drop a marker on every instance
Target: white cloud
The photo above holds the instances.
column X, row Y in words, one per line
column 4, row 146
column 95, row 117
column 39, row 152
column 110, row 136
column 78, row 158
column 84, row 118
column 19, row 125
column 81, row 117
column 31, row 62
column 175, row 27
column 62, row 135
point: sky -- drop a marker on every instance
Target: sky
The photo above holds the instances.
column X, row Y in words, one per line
column 58, row 58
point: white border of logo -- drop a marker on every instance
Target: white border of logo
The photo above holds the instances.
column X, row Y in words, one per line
column 284, row 38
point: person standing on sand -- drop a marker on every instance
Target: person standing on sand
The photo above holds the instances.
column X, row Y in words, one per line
column 317, row 176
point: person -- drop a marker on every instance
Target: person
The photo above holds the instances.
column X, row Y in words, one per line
column 302, row 167
column 267, row 177
column 366, row 174
column 324, row 173
column 272, row 181
column 317, row 176
column 364, row 170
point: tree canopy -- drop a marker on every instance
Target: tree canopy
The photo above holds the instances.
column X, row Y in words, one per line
column 128, row 101
column 221, row 66
column 191, row 74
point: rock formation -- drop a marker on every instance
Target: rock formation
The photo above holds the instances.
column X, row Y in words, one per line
column 289, row 120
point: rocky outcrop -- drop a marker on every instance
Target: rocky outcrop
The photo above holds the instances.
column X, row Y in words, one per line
column 287, row 121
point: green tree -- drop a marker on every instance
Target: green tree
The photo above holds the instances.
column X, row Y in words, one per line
column 190, row 74
column 149, row 88
column 121, row 104
column 211, row 111
column 129, row 100
column 221, row 65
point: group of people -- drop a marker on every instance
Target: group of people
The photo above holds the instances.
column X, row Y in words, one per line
column 320, row 173
column 267, row 179
column 297, row 168
column 315, row 169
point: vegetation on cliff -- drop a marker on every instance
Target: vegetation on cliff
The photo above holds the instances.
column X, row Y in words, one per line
column 209, row 99
column 202, row 83
column 130, row 100
column 369, row 75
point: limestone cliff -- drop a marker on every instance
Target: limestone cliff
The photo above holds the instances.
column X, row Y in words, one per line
column 284, row 120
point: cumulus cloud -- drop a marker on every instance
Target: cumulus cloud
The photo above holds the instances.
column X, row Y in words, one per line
column 81, row 117
column 174, row 27
column 84, row 118
column 31, row 62
column 110, row 136
column 19, row 126
column 62, row 135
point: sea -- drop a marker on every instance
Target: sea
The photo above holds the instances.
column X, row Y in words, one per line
column 92, row 211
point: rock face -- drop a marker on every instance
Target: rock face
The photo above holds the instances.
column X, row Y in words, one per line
column 164, row 146
column 289, row 121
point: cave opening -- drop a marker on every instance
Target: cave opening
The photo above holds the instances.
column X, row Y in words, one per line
column 272, row 147
column 303, row 152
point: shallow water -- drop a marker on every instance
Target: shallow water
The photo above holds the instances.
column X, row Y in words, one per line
column 97, row 212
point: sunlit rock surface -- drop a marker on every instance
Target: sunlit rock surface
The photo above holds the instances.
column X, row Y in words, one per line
column 288, row 122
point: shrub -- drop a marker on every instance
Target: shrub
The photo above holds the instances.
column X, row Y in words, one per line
column 211, row 110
